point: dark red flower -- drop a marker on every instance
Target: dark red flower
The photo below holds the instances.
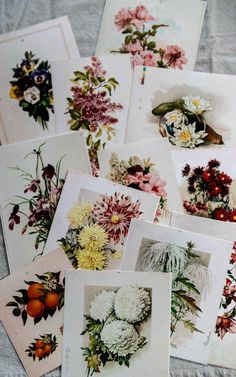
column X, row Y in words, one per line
column 48, row 172
column 220, row 214
column 33, row 186
column 186, row 170
column 198, row 171
column 208, row 175
column 233, row 257
column 213, row 164
column 232, row 216
column 214, row 189
column 224, row 324
column 202, row 206
column 224, row 178
column 14, row 218
column 189, row 207
column 134, row 169
column 192, row 179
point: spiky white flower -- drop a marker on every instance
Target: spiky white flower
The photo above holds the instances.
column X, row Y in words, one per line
column 196, row 104
column 102, row 305
column 132, row 304
column 200, row 276
column 175, row 117
column 121, row 338
column 165, row 257
column 187, row 137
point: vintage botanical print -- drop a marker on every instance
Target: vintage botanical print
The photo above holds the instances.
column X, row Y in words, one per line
column 113, row 327
column 183, row 122
column 91, row 108
column 140, row 174
column 42, row 347
column 95, row 230
column 42, row 298
column 190, row 279
column 37, row 205
column 32, row 88
column 140, row 29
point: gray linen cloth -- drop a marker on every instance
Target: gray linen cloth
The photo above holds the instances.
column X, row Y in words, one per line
column 217, row 53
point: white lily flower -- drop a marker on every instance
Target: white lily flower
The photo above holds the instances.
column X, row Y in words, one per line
column 175, row 117
column 187, row 137
column 196, row 104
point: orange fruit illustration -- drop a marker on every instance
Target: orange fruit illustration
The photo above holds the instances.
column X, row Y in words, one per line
column 39, row 344
column 35, row 308
column 39, row 352
column 51, row 300
column 47, row 348
column 35, row 290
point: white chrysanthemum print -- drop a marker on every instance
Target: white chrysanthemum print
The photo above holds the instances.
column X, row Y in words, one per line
column 132, row 304
column 201, row 276
column 187, row 137
column 103, row 305
column 196, row 104
column 175, row 117
column 121, row 338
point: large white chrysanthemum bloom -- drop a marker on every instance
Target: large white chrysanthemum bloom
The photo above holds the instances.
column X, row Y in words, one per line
column 121, row 338
column 201, row 277
column 165, row 257
column 132, row 304
column 102, row 305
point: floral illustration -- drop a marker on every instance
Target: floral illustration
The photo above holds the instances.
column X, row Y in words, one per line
column 41, row 196
column 183, row 122
column 190, row 279
column 32, row 87
column 42, row 347
column 140, row 43
column 113, row 326
column 95, row 230
column 91, row 108
column 41, row 299
column 141, row 175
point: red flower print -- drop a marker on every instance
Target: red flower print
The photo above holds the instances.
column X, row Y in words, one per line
column 225, row 324
column 207, row 175
column 48, row 172
column 186, row 170
column 220, row 214
column 232, row 215
column 175, row 56
column 213, row 164
column 33, row 187
column 225, row 179
column 14, row 218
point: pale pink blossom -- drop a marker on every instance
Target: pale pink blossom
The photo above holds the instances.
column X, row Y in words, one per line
column 145, row 58
column 155, row 185
column 141, row 15
column 175, row 56
column 96, row 68
column 133, row 47
column 225, row 324
column 138, row 178
column 123, row 18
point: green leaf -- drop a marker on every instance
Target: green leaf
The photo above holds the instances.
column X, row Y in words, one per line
column 151, row 45
column 127, row 30
column 80, row 75
column 24, row 316
column 12, row 303
column 190, row 302
column 190, row 326
column 185, row 281
column 109, row 88
column 128, row 39
column 89, row 140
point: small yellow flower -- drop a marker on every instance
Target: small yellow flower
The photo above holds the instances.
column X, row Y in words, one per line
column 15, row 92
column 93, row 237
column 28, row 67
column 50, row 96
column 117, row 254
column 94, row 362
column 78, row 214
column 91, row 260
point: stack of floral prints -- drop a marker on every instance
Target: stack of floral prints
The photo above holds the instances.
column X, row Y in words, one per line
column 223, row 340
column 26, row 105
column 32, row 302
column 190, row 109
column 198, row 264
column 154, row 33
column 92, row 220
column 120, row 327
column 92, row 94
column 32, row 177
column 145, row 166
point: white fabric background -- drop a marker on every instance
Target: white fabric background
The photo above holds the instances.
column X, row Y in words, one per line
column 217, row 53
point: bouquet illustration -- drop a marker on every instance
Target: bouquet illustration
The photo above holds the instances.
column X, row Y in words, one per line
column 209, row 190
column 113, row 327
column 42, row 347
column 226, row 321
column 42, row 193
column 190, row 279
column 91, row 108
column 41, row 299
column 140, row 42
column 141, row 175
column 95, row 230
column 183, row 122
column 32, row 87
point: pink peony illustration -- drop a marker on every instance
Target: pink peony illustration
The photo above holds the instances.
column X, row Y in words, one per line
column 175, row 56
column 155, row 185
column 123, row 18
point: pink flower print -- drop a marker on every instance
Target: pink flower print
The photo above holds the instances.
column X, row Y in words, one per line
column 229, row 290
column 175, row 56
column 123, row 18
column 133, row 47
column 141, row 15
column 137, row 178
column 150, row 60
column 155, row 185
column 95, row 68
column 224, row 324
column 33, row 187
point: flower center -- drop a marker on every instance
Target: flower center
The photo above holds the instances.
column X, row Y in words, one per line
column 222, row 215
column 196, row 102
column 173, row 118
column 115, row 219
column 185, row 136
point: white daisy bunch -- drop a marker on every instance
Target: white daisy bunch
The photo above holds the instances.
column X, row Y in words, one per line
column 196, row 104
column 187, row 136
column 121, row 338
column 132, row 304
column 102, row 305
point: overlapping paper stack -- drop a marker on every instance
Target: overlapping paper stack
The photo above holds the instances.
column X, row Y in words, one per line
column 118, row 195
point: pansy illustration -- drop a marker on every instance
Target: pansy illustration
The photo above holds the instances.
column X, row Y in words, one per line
column 140, row 43
column 32, row 88
column 183, row 122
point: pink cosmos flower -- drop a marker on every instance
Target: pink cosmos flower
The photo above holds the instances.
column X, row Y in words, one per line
column 229, row 289
column 133, row 47
column 123, row 18
column 224, row 324
column 155, row 185
column 141, row 15
column 175, row 56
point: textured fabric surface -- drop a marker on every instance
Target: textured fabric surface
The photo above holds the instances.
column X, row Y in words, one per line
column 217, row 53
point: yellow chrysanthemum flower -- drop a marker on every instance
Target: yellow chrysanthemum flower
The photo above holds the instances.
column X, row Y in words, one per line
column 93, row 237
column 15, row 92
column 78, row 214
column 91, row 260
